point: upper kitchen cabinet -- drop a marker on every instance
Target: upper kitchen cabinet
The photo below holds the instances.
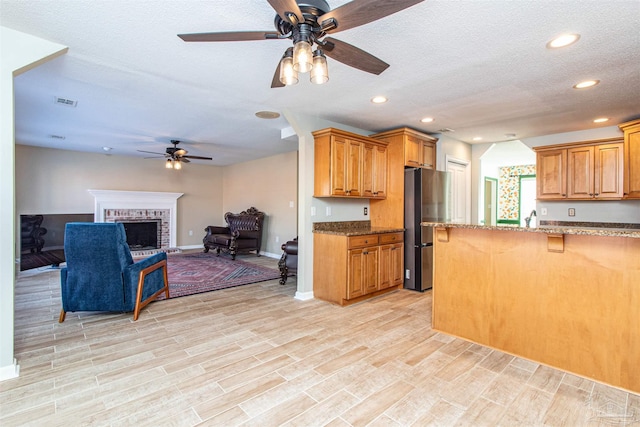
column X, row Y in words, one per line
column 591, row 170
column 419, row 148
column 349, row 165
column 631, row 159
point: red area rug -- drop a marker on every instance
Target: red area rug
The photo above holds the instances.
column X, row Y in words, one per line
column 199, row 272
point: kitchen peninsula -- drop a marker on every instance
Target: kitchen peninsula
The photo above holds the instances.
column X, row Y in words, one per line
column 564, row 296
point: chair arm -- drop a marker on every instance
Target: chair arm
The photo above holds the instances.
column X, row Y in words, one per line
column 153, row 280
column 291, row 247
column 212, row 229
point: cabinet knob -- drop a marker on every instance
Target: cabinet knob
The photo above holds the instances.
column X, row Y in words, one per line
column 597, row 194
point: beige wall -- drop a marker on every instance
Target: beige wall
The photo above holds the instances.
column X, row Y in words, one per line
column 271, row 186
column 50, row 181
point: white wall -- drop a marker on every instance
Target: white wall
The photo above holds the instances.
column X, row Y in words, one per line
column 18, row 53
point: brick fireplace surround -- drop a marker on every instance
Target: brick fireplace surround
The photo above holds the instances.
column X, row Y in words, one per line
column 133, row 206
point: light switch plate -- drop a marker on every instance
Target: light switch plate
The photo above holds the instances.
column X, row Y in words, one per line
column 572, row 212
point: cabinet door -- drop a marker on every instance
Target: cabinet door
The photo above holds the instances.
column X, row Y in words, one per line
column 412, row 151
column 355, row 275
column 428, row 155
column 353, row 177
column 608, row 171
column 370, row 269
column 632, row 162
column 397, row 264
column 338, row 166
column 380, row 171
column 368, row 170
column 551, row 174
column 580, row 173
column 385, row 270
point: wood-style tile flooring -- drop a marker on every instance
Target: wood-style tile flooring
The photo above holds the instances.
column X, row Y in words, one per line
column 255, row 356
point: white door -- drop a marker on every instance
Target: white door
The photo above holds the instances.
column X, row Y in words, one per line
column 460, row 190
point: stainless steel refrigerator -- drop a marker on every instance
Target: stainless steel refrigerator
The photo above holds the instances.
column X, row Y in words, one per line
column 426, row 199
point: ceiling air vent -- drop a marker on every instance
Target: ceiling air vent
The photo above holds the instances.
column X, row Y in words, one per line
column 64, row 101
column 443, row 130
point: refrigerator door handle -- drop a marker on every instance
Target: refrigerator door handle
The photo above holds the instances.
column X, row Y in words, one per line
column 424, row 245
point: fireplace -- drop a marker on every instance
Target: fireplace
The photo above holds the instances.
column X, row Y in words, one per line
column 139, row 207
column 143, row 235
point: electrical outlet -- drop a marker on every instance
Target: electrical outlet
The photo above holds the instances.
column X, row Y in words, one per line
column 572, row 212
column 277, row 239
column 190, row 232
column 366, row 211
column 313, row 211
column 328, row 211
column 291, row 204
column 407, row 274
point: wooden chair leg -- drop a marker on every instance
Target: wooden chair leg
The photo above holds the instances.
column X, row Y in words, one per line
column 141, row 304
column 63, row 314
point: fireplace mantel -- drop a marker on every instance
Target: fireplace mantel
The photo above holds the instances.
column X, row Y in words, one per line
column 115, row 199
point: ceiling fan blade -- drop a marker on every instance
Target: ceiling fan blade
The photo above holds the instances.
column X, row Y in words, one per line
column 353, row 56
column 230, row 36
column 150, row 152
column 276, row 77
column 183, row 160
column 196, row 157
column 288, row 10
column 360, row 12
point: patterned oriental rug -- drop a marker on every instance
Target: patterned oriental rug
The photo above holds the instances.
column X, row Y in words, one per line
column 199, row 272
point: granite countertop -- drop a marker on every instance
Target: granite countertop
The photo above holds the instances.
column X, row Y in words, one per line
column 351, row 228
column 557, row 227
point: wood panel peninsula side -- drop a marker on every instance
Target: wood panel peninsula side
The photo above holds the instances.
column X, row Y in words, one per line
column 565, row 297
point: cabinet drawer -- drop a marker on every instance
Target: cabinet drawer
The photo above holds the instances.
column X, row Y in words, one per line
column 391, row 238
column 363, row 241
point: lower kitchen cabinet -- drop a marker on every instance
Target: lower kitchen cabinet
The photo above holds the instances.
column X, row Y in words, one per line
column 349, row 269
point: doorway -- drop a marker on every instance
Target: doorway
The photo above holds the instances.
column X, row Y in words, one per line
column 460, row 196
column 490, row 201
column 528, row 199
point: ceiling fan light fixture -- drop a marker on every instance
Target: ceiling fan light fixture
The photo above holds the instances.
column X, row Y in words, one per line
column 177, row 165
column 320, row 71
column 302, row 57
column 288, row 75
column 168, row 164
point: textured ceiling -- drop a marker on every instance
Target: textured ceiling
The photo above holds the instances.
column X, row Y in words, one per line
column 480, row 68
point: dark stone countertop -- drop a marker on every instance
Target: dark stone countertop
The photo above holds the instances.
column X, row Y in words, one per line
column 557, row 227
column 351, row 228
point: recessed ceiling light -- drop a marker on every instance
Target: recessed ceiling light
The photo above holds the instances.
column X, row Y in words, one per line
column 379, row 99
column 563, row 40
column 267, row 115
column 601, row 120
column 57, row 137
column 477, row 138
column 107, row 148
column 585, row 84
column 427, row 120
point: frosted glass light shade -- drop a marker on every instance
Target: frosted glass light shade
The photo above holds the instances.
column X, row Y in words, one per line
column 168, row 164
column 302, row 57
column 319, row 72
column 288, row 75
column 178, row 165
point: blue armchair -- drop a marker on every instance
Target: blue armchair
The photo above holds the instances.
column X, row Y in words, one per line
column 101, row 275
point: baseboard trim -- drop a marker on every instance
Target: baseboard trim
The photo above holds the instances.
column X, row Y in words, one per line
column 304, row 296
column 9, row 372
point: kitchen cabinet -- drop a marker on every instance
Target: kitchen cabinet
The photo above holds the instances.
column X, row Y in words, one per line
column 581, row 171
column 349, row 269
column 419, row 148
column 631, row 173
column 349, row 165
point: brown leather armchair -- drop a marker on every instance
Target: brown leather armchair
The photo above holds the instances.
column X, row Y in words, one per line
column 243, row 233
column 288, row 263
column 31, row 233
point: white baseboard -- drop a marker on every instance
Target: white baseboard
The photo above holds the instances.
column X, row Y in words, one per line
column 303, row 296
column 263, row 253
column 11, row 371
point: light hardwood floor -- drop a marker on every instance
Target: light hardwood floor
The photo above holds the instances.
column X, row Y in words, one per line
column 255, row 356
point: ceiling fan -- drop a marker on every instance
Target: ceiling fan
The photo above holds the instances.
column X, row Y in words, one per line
column 307, row 22
column 175, row 156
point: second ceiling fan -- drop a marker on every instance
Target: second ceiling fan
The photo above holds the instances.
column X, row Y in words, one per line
column 306, row 23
